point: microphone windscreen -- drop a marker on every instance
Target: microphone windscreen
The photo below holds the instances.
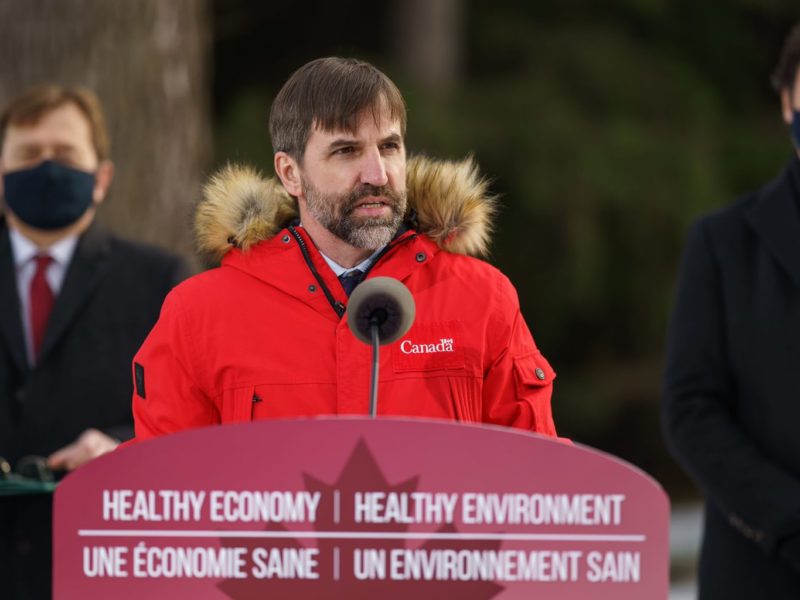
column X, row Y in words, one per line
column 386, row 301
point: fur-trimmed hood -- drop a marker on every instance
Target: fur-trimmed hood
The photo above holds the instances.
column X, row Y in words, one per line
column 451, row 200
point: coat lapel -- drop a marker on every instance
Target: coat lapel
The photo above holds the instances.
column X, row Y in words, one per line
column 10, row 315
column 87, row 268
column 775, row 217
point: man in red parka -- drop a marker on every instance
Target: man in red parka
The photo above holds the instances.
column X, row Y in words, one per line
column 265, row 334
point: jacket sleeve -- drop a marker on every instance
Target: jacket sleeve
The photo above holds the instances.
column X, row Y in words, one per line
column 168, row 395
column 758, row 496
column 518, row 383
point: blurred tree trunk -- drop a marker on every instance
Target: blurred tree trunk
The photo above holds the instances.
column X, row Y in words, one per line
column 428, row 42
column 147, row 60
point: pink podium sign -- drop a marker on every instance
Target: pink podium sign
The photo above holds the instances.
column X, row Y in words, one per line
column 355, row 508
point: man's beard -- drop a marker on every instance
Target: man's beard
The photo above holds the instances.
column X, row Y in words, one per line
column 335, row 212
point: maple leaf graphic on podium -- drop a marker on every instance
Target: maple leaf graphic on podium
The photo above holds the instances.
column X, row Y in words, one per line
column 360, row 473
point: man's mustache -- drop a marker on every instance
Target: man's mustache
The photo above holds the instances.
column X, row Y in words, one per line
column 366, row 190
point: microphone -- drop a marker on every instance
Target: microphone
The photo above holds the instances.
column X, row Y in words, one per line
column 380, row 311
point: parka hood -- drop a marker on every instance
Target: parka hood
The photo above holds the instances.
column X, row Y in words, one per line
column 451, row 200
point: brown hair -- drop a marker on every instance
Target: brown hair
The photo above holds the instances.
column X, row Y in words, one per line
column 785, row 73
column 29, row 107
column 330, row 93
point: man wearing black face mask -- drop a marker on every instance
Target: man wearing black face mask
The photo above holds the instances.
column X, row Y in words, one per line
column 731, row 406
column 75, row 304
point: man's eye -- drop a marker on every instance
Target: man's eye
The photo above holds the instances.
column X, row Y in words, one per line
column 391, row 146
column 344, row 150
column 27, row 153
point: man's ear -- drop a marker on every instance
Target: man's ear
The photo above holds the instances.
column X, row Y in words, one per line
column 102, row 181
column 288, row 171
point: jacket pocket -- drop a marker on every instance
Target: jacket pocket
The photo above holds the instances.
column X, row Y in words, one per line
column 532, row 371
column 432, row 396
column 291, row 401
column 465, row 393
column 237, row 404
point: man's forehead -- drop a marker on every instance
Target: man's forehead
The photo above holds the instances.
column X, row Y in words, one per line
column 367, row 123
column 66, row 121
column 61, row 128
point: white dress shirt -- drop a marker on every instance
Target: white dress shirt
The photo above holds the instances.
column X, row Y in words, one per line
column 362, row 266
column 24, row 252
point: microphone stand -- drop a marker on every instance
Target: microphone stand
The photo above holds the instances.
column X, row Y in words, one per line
column 374, row 326
column 380, row 311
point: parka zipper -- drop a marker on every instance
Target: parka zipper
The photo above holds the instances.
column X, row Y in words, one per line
column 337, row 306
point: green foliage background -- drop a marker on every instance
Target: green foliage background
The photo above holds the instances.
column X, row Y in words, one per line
column 607, row 127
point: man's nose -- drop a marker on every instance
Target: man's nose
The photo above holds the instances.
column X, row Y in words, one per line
column 373, row 169
column 43, row 154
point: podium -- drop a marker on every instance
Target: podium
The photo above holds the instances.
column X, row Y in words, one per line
column 358, row 508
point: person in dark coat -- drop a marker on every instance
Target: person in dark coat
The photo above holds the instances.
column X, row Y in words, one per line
column 75, row 304
column 731, row 396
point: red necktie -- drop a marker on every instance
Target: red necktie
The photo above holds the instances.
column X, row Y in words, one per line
column 42, row 301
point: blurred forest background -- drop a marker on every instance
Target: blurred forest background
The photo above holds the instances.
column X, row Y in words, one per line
column 607, row 127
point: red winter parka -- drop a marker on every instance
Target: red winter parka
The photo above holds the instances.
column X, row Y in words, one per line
column 262, row 336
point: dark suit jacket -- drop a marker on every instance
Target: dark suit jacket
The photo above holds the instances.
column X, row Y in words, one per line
column 110, row 299
column 731, row 408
